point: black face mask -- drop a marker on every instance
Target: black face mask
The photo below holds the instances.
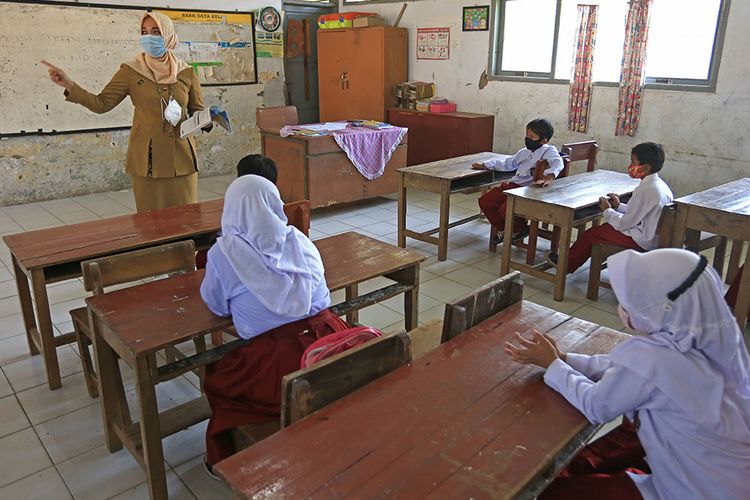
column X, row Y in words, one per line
column 532, row 145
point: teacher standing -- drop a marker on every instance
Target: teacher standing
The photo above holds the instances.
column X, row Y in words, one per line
column 164, row 90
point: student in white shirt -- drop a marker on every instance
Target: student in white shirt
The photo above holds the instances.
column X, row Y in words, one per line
column 632, row 225
column 493, row 203
column 683, row 382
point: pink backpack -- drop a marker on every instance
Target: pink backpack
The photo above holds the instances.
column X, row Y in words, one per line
column 327, row 346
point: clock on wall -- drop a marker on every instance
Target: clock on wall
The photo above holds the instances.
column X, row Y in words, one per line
column 269, row 19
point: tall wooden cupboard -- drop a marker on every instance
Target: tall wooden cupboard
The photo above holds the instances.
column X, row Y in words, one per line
column 357, row 70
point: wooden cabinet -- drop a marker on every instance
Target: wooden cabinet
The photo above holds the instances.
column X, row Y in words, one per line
column 357, row 70
column 439, row 136
column 315, row 168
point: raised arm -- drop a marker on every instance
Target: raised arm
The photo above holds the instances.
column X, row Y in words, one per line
column 112, row 94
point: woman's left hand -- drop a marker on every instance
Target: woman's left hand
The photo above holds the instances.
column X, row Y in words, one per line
column 541, row 350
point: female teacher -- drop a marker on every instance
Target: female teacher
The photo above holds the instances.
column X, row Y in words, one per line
column 164, row 90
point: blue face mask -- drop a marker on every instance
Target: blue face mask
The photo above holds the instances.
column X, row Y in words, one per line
column 153, row 45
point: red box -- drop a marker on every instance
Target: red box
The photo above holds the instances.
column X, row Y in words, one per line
column 448, row 107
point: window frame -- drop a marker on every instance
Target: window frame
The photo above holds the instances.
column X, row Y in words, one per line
column 365, row 2
column 494, row 60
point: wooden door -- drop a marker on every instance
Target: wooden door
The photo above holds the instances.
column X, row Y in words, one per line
column 350, row 71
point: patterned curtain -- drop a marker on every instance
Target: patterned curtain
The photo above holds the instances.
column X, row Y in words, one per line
column 633, row 63
column 579, row 98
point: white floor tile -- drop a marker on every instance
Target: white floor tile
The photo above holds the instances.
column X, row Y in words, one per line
column 12, row 349
column 13, row 418
column 100, row 474
column 203, row 486
column 471, row 277
column 378, row 316
column 185, row 445
column 8, row 289
column 21, row 454
column 5, row 388
column 41, row 404
column 72, row 434
column 443, row 289
column 177, row 490
column 46, row 484
column 30, row 372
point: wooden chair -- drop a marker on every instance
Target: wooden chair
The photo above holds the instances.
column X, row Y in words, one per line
column 600, row 252
column 480, row 304
column 307, row 390
column 274, row 118
column 571, row 152
column 173, row 258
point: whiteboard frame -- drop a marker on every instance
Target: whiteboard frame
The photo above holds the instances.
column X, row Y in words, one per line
column 24, row 133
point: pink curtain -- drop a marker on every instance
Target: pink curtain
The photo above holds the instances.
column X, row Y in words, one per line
column 633, row 62
column 579, row 98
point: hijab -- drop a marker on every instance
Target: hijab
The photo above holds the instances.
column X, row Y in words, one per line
column 166, row 68
column 277, row 263
column 693, row 350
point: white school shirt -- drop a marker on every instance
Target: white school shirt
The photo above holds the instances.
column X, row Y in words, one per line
column 687, row 460
column 525, row 160
column 639, row 218
column 226, row 295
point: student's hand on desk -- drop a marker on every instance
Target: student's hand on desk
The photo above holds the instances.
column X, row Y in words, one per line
column 541, row 350
column 614, row 200
column 545, row 181
column 58, row 76
column 478, row 166
column 604, row 203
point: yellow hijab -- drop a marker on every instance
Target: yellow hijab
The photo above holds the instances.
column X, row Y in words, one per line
column 166, row 68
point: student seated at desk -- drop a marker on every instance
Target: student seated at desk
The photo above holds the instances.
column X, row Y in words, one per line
column 493, row 202
column 632, row 225
column 684, row 384
column 269, row 277
column 249, row 165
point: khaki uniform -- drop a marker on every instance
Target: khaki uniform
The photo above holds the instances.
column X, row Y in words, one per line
column 162, row 166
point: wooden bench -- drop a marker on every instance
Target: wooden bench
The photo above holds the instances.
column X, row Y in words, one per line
column 475, row 307
column 174, row 258
column 305, row 391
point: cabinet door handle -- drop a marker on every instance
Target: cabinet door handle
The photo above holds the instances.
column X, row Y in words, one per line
column 344, row 81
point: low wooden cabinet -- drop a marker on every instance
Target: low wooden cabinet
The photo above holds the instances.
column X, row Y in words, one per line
column 315, row 168
column 439, row 136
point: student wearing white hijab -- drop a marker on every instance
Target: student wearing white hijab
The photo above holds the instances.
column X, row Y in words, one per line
column 684, row 383
column 269, row 277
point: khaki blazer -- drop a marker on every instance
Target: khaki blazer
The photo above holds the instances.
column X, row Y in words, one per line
column 154, row 148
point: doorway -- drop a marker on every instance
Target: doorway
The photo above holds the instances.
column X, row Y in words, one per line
column 301, row 55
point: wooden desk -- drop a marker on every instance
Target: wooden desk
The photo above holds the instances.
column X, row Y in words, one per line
column 464, row 421
column 50, row 255
column 439, row 136
column 723, row 210
column 136, row 322
column 566, row 203
column 316, row 169
column 446, row 177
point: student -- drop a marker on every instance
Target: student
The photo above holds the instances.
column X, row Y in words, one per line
column 632, row 225
column 684, row 384
column 492, row 203
column 258, row 165
column 249, row 165
column 269, row 277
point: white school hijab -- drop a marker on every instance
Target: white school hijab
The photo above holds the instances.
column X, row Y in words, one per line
column 278, row 264
column 693, row 350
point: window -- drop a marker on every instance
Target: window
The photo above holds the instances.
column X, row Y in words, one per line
column 533, row 39
column 359, row 2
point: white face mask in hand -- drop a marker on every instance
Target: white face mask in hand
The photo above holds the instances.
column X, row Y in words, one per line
column 173, row 112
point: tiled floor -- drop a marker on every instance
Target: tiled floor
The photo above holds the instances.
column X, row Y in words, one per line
column 51, row 442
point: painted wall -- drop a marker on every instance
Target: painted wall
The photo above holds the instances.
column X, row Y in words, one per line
column 37, row 168
column 703, row 133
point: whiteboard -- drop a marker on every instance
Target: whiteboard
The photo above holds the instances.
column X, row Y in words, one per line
column 89, row 43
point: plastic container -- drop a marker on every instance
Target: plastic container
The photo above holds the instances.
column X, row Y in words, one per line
column 340, row 19
column 448, row 107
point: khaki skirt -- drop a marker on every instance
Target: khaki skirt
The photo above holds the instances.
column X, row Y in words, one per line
column 153, row 193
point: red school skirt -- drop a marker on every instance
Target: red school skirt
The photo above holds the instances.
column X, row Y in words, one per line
column 244, row 387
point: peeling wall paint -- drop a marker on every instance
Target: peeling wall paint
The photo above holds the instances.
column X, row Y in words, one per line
column 703, row 132
column 35, row 168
